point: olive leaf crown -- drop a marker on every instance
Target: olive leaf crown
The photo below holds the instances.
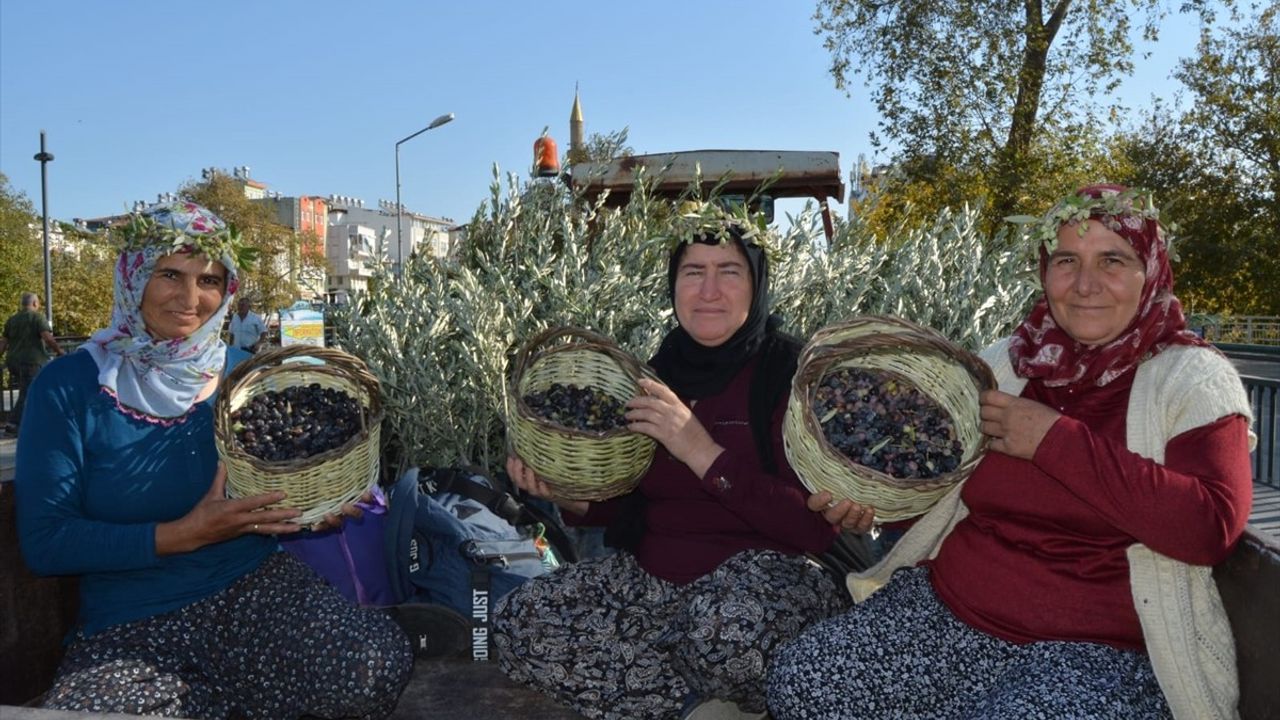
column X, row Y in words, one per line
column 142, row 231
column 1109, row 208
column 696, row 221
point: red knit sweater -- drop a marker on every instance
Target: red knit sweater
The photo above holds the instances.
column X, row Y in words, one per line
column 1041, row 555
column 692, row 524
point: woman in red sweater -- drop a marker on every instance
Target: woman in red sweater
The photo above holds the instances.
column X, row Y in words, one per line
column 714, row 574
column 1119, row 443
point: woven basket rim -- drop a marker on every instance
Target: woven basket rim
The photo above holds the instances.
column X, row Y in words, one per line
column 829, row 347
column 264, row 365
column 586, row 340
column 577, row 464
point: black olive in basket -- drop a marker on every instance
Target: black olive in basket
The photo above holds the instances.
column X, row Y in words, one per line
column 584, row 408
column 295, row 423
column 885, row 423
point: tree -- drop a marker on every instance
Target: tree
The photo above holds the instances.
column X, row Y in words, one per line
column 83, row 281
column 1216, row 169
column 986, row 86
column 1236, row 83
column 270, row 282
column 909, row 194
column 606, row 147
column 313, row 268
column 20, row 250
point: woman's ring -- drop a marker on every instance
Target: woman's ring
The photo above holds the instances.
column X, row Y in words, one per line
column 255, row 527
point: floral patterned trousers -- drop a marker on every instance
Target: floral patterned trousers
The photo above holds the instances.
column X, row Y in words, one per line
column 608, row 639
column 901, row 654
column 279, row 643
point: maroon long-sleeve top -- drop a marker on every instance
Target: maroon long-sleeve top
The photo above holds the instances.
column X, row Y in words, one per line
column 692, row 524
column 1041, row 555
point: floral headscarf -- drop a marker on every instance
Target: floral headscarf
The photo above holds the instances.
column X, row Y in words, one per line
column 1041, row 349
column 158, row 380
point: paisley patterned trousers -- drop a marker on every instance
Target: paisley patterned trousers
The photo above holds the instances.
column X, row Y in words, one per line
column 279, row 643
column 611, row 641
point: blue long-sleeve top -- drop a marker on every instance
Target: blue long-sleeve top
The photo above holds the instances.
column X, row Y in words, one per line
column 92, row 484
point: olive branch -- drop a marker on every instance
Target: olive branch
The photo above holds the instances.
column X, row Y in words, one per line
column 697, row 220
column 1110, row 208
column 141, row 231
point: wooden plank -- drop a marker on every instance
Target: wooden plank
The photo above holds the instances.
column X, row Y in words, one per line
column 794, row 173
column 1265, row 515
column 451, row 689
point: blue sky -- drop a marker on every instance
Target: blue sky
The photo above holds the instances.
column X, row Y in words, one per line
column 137, row 96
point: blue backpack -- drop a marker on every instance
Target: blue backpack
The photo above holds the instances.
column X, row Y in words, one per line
column 453, row 540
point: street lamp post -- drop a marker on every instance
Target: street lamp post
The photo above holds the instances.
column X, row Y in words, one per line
column 44, row 158
column 446, row 118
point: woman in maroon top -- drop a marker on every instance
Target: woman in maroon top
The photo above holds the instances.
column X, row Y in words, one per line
column 713, row 575
column 1119, row 442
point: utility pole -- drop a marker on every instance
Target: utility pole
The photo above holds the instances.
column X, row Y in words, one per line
column 44, row 159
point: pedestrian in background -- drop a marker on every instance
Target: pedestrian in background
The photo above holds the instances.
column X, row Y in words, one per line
column 27, row 342
column 246, row 327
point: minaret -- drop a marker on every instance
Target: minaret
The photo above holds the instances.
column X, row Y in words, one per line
column 577, row 145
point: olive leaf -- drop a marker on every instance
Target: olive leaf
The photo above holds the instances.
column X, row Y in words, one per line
column 442, row 338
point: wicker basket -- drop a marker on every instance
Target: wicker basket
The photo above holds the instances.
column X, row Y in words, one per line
column 577, row 464
column 318, row 485
column 948, row 374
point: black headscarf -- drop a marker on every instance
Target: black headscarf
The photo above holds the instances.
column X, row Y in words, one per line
column 695, row 371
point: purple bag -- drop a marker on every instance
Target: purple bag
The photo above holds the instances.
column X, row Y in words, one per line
column 353, row 557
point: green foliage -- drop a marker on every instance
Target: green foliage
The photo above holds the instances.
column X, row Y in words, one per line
column 948, row 275
column 81, row 267
column 83, row 283
column 1000, row 91
column 443, row 339
column 20, row 249
column 1216, row 168
column 916, row 191
column 606, row 147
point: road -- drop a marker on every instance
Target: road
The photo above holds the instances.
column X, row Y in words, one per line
column 1268, row 369
column 1266, row 470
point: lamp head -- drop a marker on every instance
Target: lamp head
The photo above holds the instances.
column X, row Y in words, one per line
column 446, row 118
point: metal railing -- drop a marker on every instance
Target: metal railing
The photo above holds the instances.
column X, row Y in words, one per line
column 1264, row 396
column 1246, row 330
column 9, row 393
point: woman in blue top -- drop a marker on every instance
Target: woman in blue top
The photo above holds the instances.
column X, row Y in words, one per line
column 188, row 608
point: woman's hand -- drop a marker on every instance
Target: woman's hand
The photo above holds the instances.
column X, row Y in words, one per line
column 216, row 518
column 333, row 521
column 527, row 480
column 846, row 514
column 660, row 415
column 1015, row 425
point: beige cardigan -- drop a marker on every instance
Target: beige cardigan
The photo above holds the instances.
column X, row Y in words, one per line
column 1183, row 621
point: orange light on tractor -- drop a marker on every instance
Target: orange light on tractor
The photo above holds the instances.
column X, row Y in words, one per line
column 546, row 160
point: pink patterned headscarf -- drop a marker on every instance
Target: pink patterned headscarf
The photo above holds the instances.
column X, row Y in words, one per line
column 1041, row 349
column 158, row 380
